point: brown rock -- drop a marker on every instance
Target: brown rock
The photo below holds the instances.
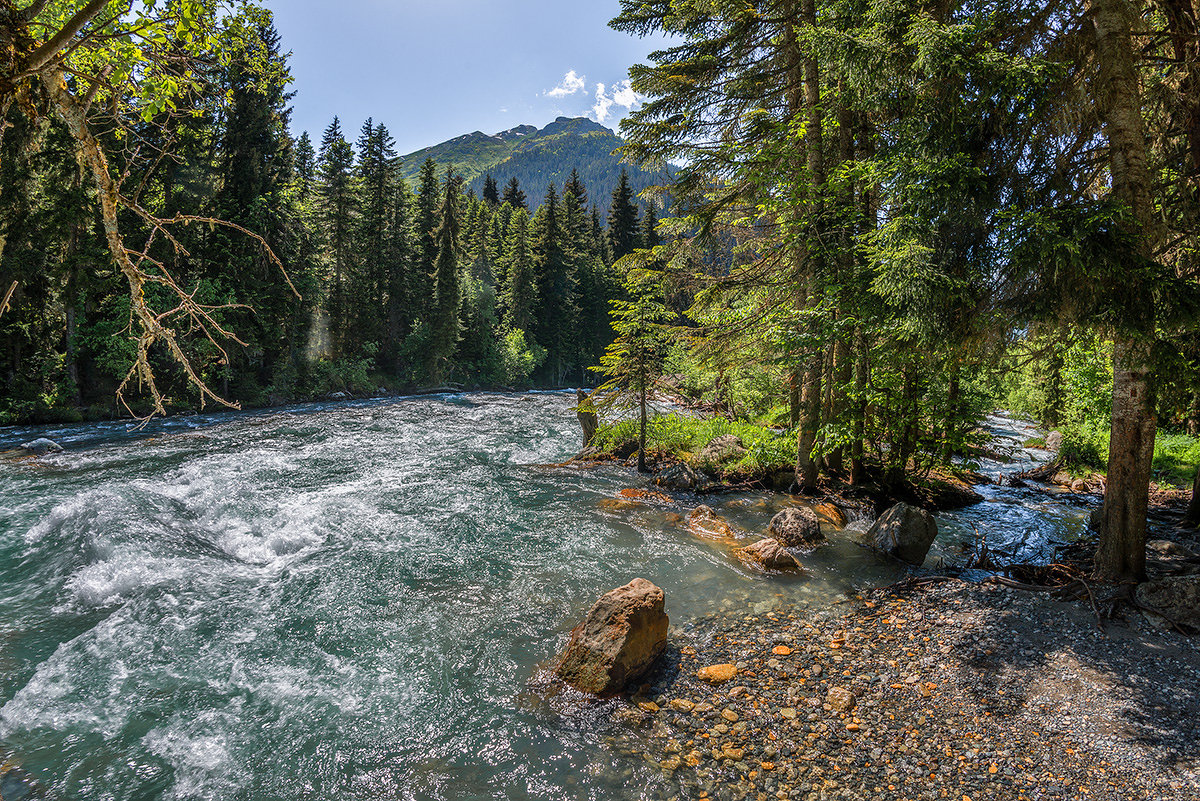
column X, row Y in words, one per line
column 643, row 495
column 717, row 674
column 1080, row 485
column 797, row 527
column 703, row 521
column 618, row 641
column 831, row 513
column 769, row 554
column 840, row 699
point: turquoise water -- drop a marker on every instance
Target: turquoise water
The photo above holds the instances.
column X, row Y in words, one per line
column 343, row 601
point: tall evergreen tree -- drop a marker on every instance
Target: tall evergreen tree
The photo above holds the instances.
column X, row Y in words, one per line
column 429, row 200
column 336, row 204
column 447, row 302
column 513, row 195
column 555, row 325
column 520, row 288
column 623, row 219
column 376, row 193
column 491, row 194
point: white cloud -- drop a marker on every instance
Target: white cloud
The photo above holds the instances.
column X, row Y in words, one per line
column 622, row 95
column 603, row 104
column 571, row 83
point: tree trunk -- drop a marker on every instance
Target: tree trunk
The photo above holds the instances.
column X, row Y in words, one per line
column 861, row 367
column 1121, row 556
column 1122, row 553
column 812, row 360
column 644, row 379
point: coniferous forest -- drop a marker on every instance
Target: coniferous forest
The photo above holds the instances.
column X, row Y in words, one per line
column 360, row 278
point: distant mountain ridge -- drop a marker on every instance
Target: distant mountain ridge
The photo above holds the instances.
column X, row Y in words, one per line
column 536, row 158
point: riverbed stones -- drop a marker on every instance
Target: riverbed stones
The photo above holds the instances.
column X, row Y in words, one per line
column 41, row 447
column 797, row 527
column 624, row 632
column 769, row 555
column 717, row 674
column 1177, row 597
column 680, row 477
column 905, row 532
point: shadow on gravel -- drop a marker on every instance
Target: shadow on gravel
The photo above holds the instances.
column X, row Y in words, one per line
column 1137, row 685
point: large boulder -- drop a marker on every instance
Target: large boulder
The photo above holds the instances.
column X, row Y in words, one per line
column 1177, row 597
column 1054, row 441
column 618, row 641
column 770, row 555
column 905, row 532
column 42, row 446
column 722, row 449
column 797, row 527
column 680, row 477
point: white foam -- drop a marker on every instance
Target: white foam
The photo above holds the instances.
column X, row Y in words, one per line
column 202, row 761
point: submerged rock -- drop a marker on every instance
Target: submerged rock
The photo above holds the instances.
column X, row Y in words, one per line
column 1177, row 597
column 618, row 641
column 905, row 532
column 831, row 512
column 769, row 554
column 703, row 521
column 680, row 477
column 42, row 446
column 717, row 674
column 797, row 527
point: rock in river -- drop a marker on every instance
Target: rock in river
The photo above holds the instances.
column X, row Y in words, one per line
column 42, row 446
column 905, row 532
column 618, row 641
column 797, row 527
column 769, row 554
column 680, row 477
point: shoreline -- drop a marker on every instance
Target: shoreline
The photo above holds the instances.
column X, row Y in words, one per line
column 948, row 690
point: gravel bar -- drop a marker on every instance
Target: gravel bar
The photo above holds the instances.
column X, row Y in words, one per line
column 949, row 690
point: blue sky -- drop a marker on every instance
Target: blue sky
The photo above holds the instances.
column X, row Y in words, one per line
column 434, row 69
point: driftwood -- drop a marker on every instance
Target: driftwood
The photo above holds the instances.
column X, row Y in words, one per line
column 1043, row 473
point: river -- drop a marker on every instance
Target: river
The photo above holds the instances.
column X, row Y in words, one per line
column 349, row 600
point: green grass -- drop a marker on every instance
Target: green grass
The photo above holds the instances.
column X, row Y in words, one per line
column 1176, row 456
column 767, row 449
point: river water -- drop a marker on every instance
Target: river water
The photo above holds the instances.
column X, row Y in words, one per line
column 349, row 600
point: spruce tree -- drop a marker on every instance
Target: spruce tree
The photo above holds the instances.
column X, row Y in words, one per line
column 556, row 313
column 429, row 201
column 336, row 203
column 376, row 192
column 623, row 219
column 446, row 324
column 513, row 195
column 520, row 288
column 491, row 194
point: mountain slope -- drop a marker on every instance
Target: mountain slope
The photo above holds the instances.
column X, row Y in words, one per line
column 536, row 158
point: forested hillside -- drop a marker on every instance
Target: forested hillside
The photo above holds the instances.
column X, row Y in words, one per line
column 538, row 158
column 361, row 279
